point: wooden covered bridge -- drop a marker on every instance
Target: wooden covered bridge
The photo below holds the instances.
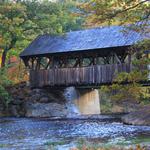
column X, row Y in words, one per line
column 80, row 58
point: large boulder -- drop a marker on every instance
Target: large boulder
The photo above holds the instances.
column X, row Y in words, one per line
column 139, row 117
column 45, row 110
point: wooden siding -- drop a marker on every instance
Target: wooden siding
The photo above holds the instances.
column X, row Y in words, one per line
column 93, row 75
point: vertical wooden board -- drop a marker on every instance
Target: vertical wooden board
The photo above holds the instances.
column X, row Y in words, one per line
column 95, row 77
column 113, row 72
column 109, row 76
column 90, row 73
column 102, row 81
column 66, row 76
column 91, row 68
column 41, row 84
column 93, row 74
column 53, row 70
column 49, row 77
column 60, row 76
column 85, row 76
column 44, row 76
column 107, row 73
column 70, row 76
column 73, row 76
column 78, row 76
column 83, row 79
column 119, row 68
column 100, row 74
column 55, row 76
column 62, row 73
column 66, row 72
column 96, row 73
column 105, row 77
column 39, row 78
column 53, row 73
column 88, row 76
column 82, row 75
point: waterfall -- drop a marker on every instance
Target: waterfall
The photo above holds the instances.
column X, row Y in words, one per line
column 71, row 95
column 89, row 101
column 82, row 101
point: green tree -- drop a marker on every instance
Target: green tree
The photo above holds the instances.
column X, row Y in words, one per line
column 124, row 12
column 21, row 22
column 12, row 17
column 101, row 12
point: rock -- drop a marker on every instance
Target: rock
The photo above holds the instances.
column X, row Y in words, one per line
column 35, row 97
column 21, row 96
column 44, row 100
column 14, row 110
column 117, row 109
column 14, row 91
column 16, row 102
column 37, row 91
column 45, row 110
column 139, row 117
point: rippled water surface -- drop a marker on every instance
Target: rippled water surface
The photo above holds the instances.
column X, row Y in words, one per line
column 22, row 133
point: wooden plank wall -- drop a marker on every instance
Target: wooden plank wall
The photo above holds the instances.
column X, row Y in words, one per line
column 93, row 75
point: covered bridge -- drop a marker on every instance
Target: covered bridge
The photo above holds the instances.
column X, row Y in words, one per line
column 80, row 58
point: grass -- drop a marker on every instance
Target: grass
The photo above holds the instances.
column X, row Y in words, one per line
column 49, row 143
column 3, row 145
column 140, row 140
column 119, row 144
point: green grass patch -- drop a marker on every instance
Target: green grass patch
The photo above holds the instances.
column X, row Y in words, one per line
column 55, row 143
column 140, row 140
column 3, row 145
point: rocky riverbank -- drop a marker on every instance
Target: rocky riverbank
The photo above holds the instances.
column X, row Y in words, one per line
column 27, row 102
column 46, row 102
column 139, row 117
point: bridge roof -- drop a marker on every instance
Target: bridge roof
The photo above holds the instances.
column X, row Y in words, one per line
column 76, row 41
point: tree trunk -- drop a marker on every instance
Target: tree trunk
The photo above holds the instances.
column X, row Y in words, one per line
column 4, row 54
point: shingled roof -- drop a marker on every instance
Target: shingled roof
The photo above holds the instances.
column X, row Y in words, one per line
column 89, row 39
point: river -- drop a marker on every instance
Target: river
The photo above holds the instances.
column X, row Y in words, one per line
column 41, row 134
